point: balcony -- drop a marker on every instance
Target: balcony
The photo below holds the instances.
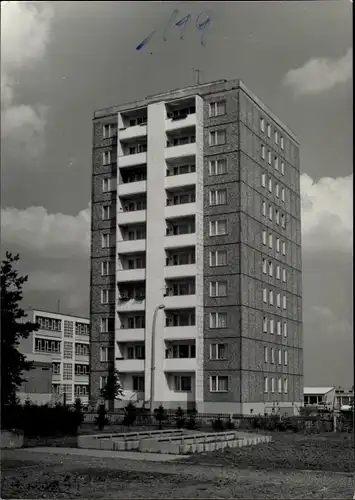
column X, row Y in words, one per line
column 131, row 188
column 183, row 180
column 126, row 275
column 129, row 365
column 180, row 151
column 174, row 124
column 180, row 332
column 181, row 210
column 130, row 335
column 131, row 217
column 180, row 271
column 135, row 132
column 130, row 305
column 56, row 378
column 130, row 246
column 81, row 379
column 131, row 160
column 180, row 365
column 179, row 301
column 180, row 240
column 81, row 357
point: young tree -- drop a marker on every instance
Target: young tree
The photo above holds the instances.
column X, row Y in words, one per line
column 13, row 328
column 113, row 389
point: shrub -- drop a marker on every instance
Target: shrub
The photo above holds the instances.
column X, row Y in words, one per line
column 217, row 425
column 101, row 420
column 130, row 414
column 78, row 408
column 230, row 425
column 160, row 415
column 179, row 418
column 191, row 422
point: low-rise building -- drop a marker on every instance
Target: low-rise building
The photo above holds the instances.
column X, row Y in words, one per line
column 59, row 351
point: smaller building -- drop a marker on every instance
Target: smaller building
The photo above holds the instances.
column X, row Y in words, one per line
column 344, row 398
column 319, row 396
column 59, row 351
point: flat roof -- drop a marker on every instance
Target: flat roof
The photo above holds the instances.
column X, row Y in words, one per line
column 31, row 309
column 317, row 390
column 202, row 89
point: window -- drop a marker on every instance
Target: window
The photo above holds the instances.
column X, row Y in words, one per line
column 103, row 382
column 277, row 272
column 276, row 163
column 107, row 268
column 271, row 297
column 269, row 157
column 218, row 320
column 264, row 237
column 108, row 130
column 81, row 349
column 284, row 302
column 279, row 385
column 279, row 328
column 138, row 352
column 218, row 227
column 263, row 151
column 266, row 354
column 105, row 240
column 106, row 184
column 217, row 351
column 265, row 295
column 285, row 385
column 68, row 329
column 284, row 275
column 270, row 212
column 45, row 345
column 272, row 355
column 278, row 300
column 266, row 384
column 138, row 383
column 285, row 329
column 56, row 389
column 218, row 258
column 265, row 324
column 270, row 185
column 277, row 244
column 285, row 358
column 272, row 326
column 270, row 240
column 68, row 350
column 282, row 142
column 283, row 221
column 283, row 248
column 53, row 325
column 277, row 191
column 272, row 385
column 276, row 136
column 217, row 108
column 218, row 383
column 283, row 194
column 182, row 383
column 107, row 296
column 56, row 368
column 263, row 208
column 269, row 130
column 217, row 137
column 107, row 325
column 81, row 328
column 270, row 269
column 282, row 168
column 279, row 355
column 106, row 212
column 218, row 167
column 68, row 390
column 106, row 157
column 262, row 124
column 67, row 371
column 263, row 180
column 103, row 354
column 81, row 369
column 218, row 197
column 264, row 265
column 218, row 289
column 81, row 390
column 277, row 217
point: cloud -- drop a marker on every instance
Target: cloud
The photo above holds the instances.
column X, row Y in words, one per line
column 25, row 34
column 327, row 208
column 55, row 236
column 319, row 75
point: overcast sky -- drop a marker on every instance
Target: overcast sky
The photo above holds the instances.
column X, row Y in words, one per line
column 60, row 61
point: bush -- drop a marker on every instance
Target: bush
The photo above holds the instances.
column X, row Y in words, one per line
column 218, row 425
column 160, row 415
column 230, row 425
column 130, row 414
column 101, row 420
column 180, row 418
column 78, row 408
column 191, row 422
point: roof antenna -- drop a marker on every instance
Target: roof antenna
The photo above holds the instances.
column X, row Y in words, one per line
column 198, row 71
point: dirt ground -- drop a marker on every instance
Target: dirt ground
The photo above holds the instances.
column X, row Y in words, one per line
column 276, row 470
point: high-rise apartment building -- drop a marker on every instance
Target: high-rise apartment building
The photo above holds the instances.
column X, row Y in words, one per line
column 59, row 351
column 196, row 242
